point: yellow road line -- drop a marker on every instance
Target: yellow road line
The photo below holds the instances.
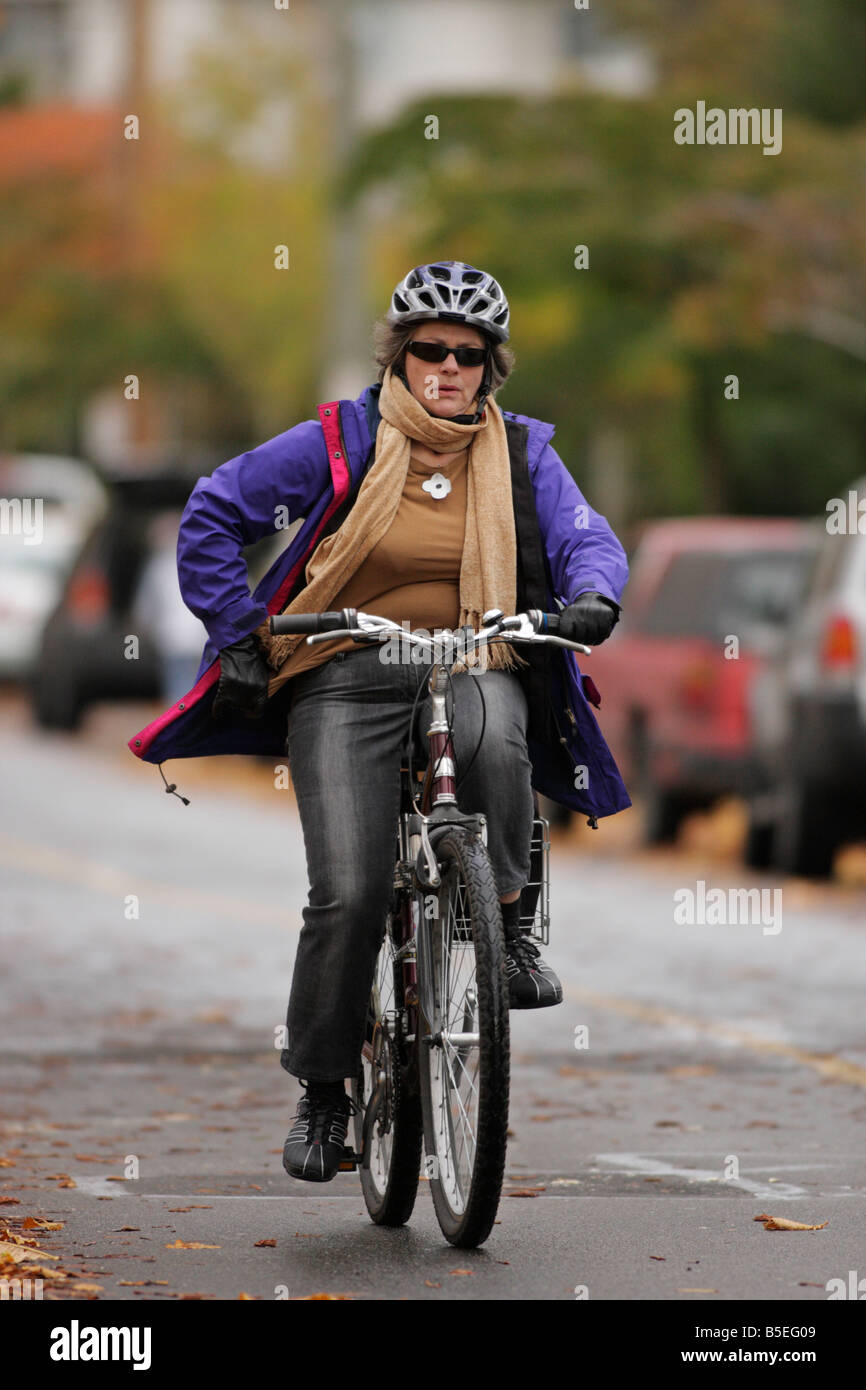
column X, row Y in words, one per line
column 834, row 1068
column 65, row 866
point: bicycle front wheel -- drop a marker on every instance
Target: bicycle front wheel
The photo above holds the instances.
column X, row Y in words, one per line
column 464, row 1040
column 387, row 1105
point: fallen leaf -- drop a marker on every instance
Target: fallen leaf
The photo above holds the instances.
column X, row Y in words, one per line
column 31, row 1223
column 431, row 1284
column 140, row 1283
column 310, row 1297
column 248, row 1296
column 310, row 1235
column 15, row 1251
column 129, row 1228
column 781, row 1223
column 87, row 1288
column 191, row 1245
column 270, row 1242
column 10, row 1201
column 461, row 1271
column 93, row 1158
column 114, row 1177
column 658, row 1257
column 526, row 1191
column 808, row 1284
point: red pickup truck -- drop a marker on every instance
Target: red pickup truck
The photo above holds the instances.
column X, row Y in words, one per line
column 706, row 605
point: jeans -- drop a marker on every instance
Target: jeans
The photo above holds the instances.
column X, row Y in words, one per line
column 347, row 727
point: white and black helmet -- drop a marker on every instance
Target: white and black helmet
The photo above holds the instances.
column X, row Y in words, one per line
column 452, row 291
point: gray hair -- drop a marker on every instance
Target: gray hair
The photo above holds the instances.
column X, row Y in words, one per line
column 389, row 348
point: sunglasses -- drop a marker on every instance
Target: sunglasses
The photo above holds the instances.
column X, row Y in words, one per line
column 437, row 352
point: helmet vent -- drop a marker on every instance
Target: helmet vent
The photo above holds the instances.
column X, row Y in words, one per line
column 425, row 297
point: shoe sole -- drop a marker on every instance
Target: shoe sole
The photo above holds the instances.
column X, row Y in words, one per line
column 533, row 1003
column 295, row 1170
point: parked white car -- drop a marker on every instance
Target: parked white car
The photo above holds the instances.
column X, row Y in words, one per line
column 812, row 710
column 47, row 504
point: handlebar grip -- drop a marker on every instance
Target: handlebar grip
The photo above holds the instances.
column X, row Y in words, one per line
column 282, row 624
column 552, row 623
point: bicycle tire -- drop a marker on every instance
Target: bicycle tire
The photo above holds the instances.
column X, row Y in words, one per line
column 390, row 1180
column 463, row 949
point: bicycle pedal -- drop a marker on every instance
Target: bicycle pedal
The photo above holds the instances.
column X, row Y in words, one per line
column 350, row 1162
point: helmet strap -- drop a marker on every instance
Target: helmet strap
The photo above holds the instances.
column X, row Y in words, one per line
column 483, row 393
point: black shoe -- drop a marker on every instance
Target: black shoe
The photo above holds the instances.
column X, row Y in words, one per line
column 315, row 1146
column 531, row 983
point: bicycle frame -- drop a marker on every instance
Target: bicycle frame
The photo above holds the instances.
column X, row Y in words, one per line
column 416, row 872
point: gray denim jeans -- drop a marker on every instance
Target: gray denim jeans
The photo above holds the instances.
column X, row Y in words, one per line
column 347, row 726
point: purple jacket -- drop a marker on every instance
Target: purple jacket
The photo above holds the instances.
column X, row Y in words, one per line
column 308, row 471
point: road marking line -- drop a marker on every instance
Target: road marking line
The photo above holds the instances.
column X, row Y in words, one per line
column 64, row 866
column 834, row 1068
column 636, row 1164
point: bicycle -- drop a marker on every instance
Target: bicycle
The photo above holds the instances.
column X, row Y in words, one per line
column 434, row 1067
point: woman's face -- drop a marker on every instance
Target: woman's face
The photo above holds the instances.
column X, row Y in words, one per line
column 444, row 388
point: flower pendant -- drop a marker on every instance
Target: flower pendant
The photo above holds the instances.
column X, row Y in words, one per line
column 438, row 486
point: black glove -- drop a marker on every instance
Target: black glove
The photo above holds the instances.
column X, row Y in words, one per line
column 590, row 619
column 243, row 683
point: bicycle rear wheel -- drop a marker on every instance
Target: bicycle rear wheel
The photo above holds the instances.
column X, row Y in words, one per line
column 464, row 1040
column 392, row 1128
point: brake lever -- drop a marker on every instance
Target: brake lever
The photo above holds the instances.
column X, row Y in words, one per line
column 526, row 632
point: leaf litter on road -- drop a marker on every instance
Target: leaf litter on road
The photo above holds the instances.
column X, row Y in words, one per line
column 781, row 1223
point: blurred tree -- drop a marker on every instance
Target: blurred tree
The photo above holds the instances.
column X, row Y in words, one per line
column 703, row 262
column 157, row 257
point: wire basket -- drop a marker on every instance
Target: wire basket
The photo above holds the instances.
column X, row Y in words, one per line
column 535, row 897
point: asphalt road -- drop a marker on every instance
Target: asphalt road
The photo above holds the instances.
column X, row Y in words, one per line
column 724, row 1074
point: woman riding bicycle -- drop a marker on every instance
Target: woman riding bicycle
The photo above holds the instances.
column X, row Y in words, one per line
column 431, row 490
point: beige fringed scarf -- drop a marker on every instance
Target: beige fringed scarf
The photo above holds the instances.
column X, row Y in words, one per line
column 489, row 561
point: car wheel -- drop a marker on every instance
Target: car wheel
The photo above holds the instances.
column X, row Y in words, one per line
column 663, row 812
column 56, row 706
column 758, row 844
column 808, row 831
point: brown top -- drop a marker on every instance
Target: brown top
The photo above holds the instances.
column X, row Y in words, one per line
column 412, row 573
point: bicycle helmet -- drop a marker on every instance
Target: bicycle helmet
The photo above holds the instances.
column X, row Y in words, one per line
column 454, row 291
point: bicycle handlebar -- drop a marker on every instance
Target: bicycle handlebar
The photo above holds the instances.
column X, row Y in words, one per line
column 309, row 622
column 532, row 626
